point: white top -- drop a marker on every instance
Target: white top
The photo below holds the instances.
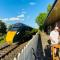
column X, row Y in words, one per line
column 54, row 35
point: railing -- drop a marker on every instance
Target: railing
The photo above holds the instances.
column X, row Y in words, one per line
column 28, row 53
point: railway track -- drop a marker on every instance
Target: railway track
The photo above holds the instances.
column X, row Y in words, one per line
column 4, row 46
column 4, row 51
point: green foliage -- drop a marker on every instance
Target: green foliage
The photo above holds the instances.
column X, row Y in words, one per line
column 41, row 17
column 32, row 32
column 49, row 8
column 2, row 27
column 2, row 39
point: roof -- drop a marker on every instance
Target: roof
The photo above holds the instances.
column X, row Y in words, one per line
column 54, row 14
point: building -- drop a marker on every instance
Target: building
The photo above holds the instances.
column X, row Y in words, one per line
column 53, row 18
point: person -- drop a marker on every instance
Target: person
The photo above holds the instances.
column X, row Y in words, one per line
column 54, row 37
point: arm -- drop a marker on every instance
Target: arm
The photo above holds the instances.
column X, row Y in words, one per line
column 50, row 38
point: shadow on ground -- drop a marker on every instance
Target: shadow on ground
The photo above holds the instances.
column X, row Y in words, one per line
column 47, row 51
column 39, row 54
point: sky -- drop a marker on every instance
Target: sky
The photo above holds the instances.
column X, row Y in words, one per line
column 24, row 11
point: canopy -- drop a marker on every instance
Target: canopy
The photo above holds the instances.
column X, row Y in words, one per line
column 54, row 14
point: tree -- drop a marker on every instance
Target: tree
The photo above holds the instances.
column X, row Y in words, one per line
column 49, row 8
column 40, row 19
column 2, row 27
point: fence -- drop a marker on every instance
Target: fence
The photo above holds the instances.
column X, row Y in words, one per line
column 29, row 50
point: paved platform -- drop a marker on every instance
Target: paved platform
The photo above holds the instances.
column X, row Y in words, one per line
column 42, row 42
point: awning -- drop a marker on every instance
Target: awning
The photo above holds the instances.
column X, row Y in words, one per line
column 54, row 15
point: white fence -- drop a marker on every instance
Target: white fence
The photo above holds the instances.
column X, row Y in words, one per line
column 29, row 49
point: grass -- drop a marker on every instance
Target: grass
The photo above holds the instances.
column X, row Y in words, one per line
column 2, row 40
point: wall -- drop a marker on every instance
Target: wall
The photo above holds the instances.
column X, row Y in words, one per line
column 29, row 50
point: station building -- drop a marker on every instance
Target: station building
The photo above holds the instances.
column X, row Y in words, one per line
column 53, row 18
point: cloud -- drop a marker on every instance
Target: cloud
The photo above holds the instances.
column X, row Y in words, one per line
column 14, row 18
column 32, row 3
column 21, row 16
column 4, row 19
column 17, row 18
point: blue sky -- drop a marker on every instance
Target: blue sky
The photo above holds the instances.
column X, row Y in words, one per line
column 24, row 11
